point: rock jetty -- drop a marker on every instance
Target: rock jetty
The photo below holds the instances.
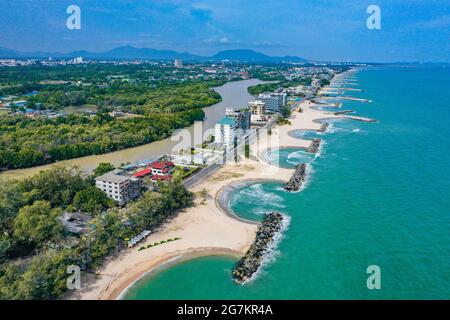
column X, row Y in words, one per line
column 297, row 179
column 324, row 127
column 343, row 112
column 251, row 262
column 314, row 146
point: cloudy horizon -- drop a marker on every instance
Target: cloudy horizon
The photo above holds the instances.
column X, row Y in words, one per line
column 316, row 30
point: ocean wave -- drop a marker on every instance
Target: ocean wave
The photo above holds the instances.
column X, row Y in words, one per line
column 309, row 174
column 296, row 154
column 255, row 194
column 321, row 149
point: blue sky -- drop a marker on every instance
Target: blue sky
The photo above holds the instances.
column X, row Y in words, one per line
column 411, row 30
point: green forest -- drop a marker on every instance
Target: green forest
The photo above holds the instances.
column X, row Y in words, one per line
column 35, row 251
column 270, row 87
column 158, row 107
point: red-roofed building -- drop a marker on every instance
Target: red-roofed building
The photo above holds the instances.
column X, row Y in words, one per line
column 161, row 178
column 142, row 173
column 161, row 168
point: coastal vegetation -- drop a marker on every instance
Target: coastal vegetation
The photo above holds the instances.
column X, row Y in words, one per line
column 154, row 104
column 28, row 142
column 102, row 168
column 151, row 245
column 282, row 121
column 273, row 86
column 35, row 249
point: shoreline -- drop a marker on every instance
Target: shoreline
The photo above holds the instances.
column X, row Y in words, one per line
column 121, row 290
column 209, row 227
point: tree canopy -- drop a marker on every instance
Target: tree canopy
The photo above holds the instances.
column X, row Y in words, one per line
column 38, row 223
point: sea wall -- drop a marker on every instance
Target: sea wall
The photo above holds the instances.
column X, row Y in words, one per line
column 251, row 262
column 297, row 179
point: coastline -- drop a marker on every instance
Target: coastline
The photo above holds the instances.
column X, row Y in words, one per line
column 209, row 227
column 121, row 289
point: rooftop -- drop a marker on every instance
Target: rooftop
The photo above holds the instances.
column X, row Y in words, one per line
column 75, row 222
column 227, row 121
column 142, row 173
column 115, row 176
column 161, row 164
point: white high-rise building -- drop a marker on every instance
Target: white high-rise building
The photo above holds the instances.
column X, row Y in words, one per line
column 226, row 132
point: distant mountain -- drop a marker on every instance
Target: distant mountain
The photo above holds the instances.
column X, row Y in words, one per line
column 252, row 56
column 128, row 52
column 8, row 53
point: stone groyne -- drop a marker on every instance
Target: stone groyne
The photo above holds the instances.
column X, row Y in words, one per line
column 342, row 112
column 251, row 262
column 314, row 146
column 324, row 127
column 297, row 179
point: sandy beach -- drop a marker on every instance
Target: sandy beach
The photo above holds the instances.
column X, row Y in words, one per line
column 205, row 228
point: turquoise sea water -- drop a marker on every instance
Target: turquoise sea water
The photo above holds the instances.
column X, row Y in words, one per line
column 288, row 157
column 379, row 194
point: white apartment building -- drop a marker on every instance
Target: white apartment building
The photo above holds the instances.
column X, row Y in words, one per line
column 226, row 132
column 118, row 186
column 257, row 112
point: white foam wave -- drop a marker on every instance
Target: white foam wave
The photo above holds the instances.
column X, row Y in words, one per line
column 256, row 194
column 298, row 155
column 321, row 149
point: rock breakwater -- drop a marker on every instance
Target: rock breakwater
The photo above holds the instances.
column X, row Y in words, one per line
column 297, row 179
column 314, row 146
column 324, row 127
column 251, row 262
